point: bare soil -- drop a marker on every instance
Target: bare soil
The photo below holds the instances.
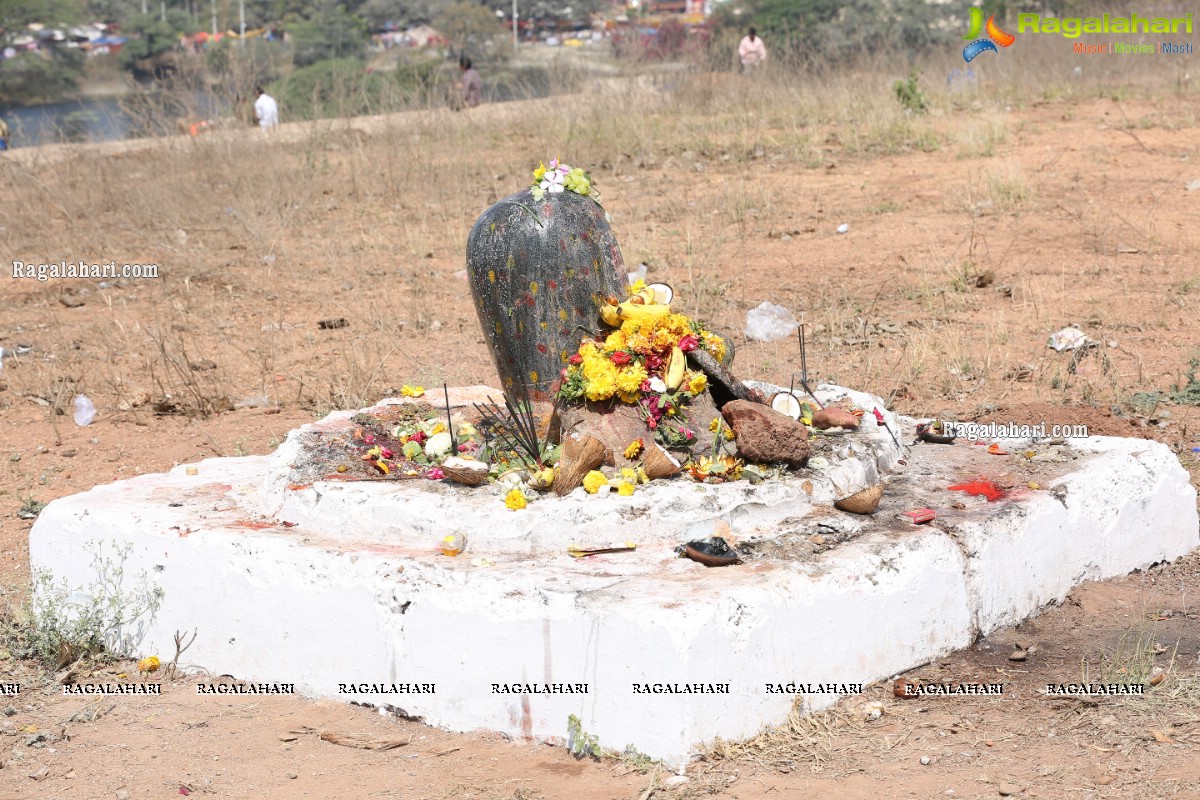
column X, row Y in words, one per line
column 958, row 264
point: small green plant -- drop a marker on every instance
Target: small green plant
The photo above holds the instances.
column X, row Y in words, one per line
column 909, row 93
column 580, row 743
column 59, row 625
column 1132, row 661
column 30, row 508
column 637, row 760
column 1189, row 393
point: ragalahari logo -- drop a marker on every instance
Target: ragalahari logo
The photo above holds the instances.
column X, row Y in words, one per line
column 994, row 37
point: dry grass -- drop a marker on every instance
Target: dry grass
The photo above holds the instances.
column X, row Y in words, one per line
column 366, row 219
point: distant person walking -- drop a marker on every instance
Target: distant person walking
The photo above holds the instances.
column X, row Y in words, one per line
column 752, row 52
column 266, row 110
column 470, row 86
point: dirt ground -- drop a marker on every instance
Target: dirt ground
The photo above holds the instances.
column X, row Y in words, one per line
column 964, row 252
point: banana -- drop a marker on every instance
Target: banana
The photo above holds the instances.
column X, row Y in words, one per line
column 611, row 315
column 642, row 313
column 648, row 295
column 675, row 367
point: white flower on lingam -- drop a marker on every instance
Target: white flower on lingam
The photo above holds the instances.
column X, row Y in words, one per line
column 657, row 385
column 552, row 181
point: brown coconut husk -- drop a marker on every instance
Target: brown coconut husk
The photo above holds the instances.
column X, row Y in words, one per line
column 864, row 502
column 464, row 471
column 579, row 457
column 658, row 463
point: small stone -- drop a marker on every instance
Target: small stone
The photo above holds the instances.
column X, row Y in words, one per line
column 765, row 436
column 676, row 780
column 291, row 776
column 1105, row 780
column 989, row 743
column 1008, row 789
column 834, row 418
column 1017, row 655
column 817, row 539
column 926, row 761
column 40, row 772
column 69, row 453
column 122, row 794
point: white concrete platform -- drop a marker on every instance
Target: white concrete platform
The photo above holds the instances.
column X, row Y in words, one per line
column 361, row 596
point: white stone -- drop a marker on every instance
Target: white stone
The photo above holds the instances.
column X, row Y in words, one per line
column 356, row 591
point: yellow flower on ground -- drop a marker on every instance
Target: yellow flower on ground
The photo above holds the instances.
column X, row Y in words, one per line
column 715, row 425
column 642, row 476
column 436, row 429
column 515, row 500
column 698, row 383
column 148, row 664
column 635, row 449
column 629, row 474
column 593, row 481
column 411, row 391
column 625, row 488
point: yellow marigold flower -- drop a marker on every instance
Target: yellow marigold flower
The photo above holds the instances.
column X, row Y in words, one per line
column 637, row 286
column 629, row 397
column 629, row 473
column 411, row 391
column 698, row 383
column 634, row 450
column 149, row 664
column 715, row 345
column 715, row 425
column 436, row 429
column 593, row 481
column 614, row 342
column 729, row 434
column 625, row 489
column 515, row 499
column 642, row 476
column 630, row 378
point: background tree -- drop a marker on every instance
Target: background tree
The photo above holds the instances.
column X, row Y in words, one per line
column 468, row 26
column 332, row 33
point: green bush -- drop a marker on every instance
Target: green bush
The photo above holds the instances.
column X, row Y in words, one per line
column 345, row 88
column 36, row 77
column 61, row 625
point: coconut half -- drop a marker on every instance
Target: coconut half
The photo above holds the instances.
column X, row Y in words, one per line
column 787, row 404
column 663, row 293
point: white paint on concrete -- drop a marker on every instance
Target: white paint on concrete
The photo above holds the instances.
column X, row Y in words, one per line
column 364, row 598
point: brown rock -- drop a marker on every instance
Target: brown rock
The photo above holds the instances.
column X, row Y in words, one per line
column 579, row 457
column 765, row 436
column 834, row 418
column 617, row 425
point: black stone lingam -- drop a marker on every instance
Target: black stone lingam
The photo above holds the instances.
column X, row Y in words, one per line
column 539, row 271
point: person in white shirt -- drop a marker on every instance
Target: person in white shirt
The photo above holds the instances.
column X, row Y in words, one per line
column 752, row 52
column 266, row 110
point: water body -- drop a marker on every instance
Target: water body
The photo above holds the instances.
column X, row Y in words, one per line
column 102, row 120
column 157, row 114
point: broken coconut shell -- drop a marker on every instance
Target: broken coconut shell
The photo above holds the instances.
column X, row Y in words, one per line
column 864, row 502
column 658, row 463
column 465, row 471
column 714, row 552
column 832, row 417
column 579, row 457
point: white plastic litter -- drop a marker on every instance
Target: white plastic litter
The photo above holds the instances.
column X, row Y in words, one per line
column 1067, row 339
column 85, row 412
column 638, row 274
column 843, row 228
column 770, row 323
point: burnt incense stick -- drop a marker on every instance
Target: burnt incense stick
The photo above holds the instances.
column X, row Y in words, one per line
column 803, row 356
column 449, row 422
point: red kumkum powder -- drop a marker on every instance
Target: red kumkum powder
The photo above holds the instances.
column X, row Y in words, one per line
column 982, row 488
